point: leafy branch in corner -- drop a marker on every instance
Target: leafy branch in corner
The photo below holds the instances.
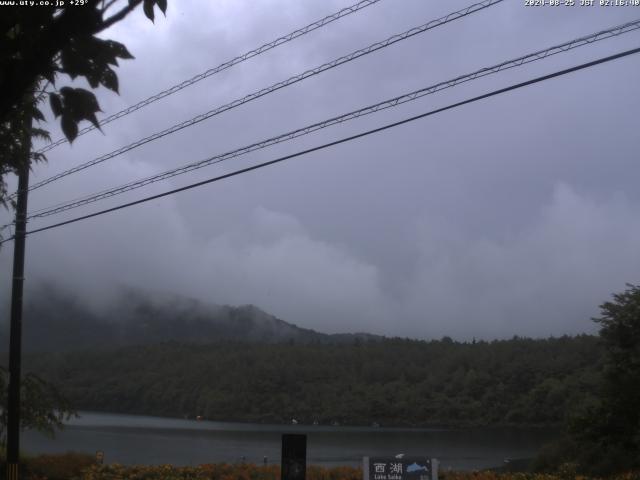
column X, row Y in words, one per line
column 37, row 46
column 43, row 408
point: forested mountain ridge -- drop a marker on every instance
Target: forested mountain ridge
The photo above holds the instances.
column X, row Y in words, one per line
column 56, row 320
column 390, row 382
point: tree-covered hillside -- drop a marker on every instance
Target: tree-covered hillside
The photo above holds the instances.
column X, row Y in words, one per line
column 391, row 382
column 57, row 320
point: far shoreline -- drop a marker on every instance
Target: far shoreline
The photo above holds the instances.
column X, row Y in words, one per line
column 320, row 426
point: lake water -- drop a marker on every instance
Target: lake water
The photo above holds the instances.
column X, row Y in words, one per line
column 133, row 439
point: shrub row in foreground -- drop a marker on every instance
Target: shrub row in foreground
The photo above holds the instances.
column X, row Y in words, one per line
column 75, row 466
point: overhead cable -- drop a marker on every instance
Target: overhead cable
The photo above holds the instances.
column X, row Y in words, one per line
column 276, row 86
column 223, row 66
column 390, row 103
column 337, row 142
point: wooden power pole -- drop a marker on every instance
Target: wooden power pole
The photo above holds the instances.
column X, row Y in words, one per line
column 15, row 336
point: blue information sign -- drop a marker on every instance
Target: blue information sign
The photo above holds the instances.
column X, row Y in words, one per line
column 394, row 468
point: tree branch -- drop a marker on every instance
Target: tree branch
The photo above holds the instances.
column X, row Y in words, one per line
column 107, row 6
column 120, row 15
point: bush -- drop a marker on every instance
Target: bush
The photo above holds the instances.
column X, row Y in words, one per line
column 77, row 466
column 58, row 467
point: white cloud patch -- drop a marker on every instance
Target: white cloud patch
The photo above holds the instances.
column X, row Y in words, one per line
column 274, row 263
column 269, row 260
column 329, row 241
column 547, row 279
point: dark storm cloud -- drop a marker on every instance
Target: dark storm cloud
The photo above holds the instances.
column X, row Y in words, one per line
column 512, row 216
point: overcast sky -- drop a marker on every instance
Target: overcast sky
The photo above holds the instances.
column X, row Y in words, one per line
column 517, row 215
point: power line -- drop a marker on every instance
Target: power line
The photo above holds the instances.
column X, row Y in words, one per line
column 276, row 86
column 223, row 66
column 340, row 141
column 390, row 103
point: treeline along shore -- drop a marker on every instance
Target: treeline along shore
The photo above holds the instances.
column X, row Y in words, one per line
column 389, row 382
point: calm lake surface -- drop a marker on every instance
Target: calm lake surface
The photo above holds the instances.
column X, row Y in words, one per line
column 133, row 439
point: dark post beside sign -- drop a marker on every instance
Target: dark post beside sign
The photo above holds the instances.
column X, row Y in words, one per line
column 294, row 457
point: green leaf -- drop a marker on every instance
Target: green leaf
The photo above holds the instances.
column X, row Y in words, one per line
column 100, row 53
column 50, row 75
column 93, row 77
column 79, row 103
column 147, row 6
column 119, row 50
column 93, row 119
column 37, row 115
column 38, row 157
column 65, row 91
column 87, row 100
column 56, row 104
column 162, row 5
column 40, row 133
column 110, row 80
column 73, row 63
column 69, row 127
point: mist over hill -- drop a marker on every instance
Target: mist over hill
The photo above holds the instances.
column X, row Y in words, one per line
column 58, row 320
column 162, row 354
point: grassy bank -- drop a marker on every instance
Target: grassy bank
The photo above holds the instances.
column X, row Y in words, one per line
column 75, row 466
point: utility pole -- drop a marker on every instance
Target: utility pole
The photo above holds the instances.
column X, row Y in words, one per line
column 15, row 336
